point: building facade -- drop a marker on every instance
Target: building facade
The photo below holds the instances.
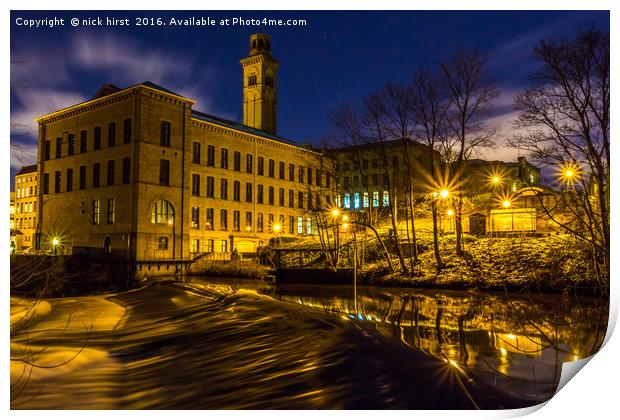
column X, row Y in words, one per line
column 137, row 172
column 24, row 215
column 377, row 175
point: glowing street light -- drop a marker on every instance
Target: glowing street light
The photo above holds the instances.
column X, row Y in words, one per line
column 496, row 180
column 276, row 228
column 569, row 173
column 345, row 226
column 345, row 218
column 444, row 193
column 335, row 212
column 450, row 213
column 55, row 241
column 506, row 203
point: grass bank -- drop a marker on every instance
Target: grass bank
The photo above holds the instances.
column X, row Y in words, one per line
column 231, row 269
column 556, row 263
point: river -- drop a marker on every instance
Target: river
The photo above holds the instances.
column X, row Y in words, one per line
column 221, row 343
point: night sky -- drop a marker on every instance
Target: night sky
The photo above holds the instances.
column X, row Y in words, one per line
column 338, row 56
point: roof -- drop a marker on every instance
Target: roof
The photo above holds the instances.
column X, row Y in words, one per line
column 109, row 89
column 387, row 143
column 28, row 169
column 202, row 116
column 475, row 162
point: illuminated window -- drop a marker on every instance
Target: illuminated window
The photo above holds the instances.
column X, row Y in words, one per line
column 347, row 201
column 365, row 200
column 375, row 198
column 386, row 198
column 210, row 221
column 163, row 212
column 300, row 225
column 513, row 220
column 111, row 210
column 194, row 246
column 195, row 223
column 356, row 200
column 259, row 222
column 308, row 226
column 96, row 211
column 236, row 220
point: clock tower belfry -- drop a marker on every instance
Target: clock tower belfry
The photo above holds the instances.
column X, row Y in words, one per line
column 259, row 85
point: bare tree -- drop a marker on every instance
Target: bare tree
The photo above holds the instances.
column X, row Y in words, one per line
column 472, row 94
column 429, row 102
column 374, row 118
column 400, row 125
column 566, row 117
column 350, row 128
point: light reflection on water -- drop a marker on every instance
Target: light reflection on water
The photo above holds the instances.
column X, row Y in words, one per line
column 514, row 342
column 231, row 344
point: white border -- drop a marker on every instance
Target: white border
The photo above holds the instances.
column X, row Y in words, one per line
column 591, row 395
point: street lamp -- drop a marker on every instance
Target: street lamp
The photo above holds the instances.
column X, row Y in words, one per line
column 444, row 194
column 335, row 212
column 506, row 204
column 55, row 243
column 569, row 173
column 174, row 239
column 450, row 213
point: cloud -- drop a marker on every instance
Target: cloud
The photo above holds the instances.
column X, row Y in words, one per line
column 128, row 61
column 42, row 79
column 34, row 103
column 35, row 67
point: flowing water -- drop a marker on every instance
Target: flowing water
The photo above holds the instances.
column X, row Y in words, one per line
column 218, row 343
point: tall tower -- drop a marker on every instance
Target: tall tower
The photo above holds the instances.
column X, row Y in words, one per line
column 259, row 85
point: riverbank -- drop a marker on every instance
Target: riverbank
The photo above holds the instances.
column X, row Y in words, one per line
column 552, row 264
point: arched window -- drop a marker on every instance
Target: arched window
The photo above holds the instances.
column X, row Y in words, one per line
column 163, row 212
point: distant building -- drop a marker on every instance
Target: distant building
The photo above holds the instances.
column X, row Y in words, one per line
column 503, row 198
column 12, row 210
column 137, row 172
column 379, row 175
column 492, row 176
column 25, row 207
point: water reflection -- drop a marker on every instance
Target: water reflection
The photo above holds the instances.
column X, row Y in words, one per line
column 513, row 342
column 238, row 345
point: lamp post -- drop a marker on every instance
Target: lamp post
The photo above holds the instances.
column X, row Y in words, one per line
column 174, row 248
column 441, row 195
column 345, row 226
column 276, row 228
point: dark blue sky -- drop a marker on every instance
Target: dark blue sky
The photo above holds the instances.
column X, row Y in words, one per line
column 338, row 56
